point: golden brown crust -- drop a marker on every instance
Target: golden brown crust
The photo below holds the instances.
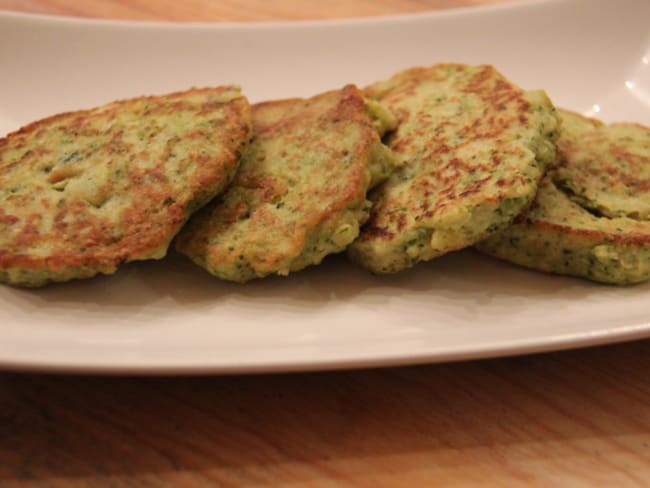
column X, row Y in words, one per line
column 637, row 239
column 439, row 187
column 82, row 192
column 299, row 193
column 590, row 215
column 608, row 169
column 474, row 147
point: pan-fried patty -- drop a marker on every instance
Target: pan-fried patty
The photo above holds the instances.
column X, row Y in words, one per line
column 473, row 147
column 82, row 192
column 300, row 193
column 591, row 215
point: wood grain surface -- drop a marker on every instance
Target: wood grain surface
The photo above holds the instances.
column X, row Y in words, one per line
column 578, row 418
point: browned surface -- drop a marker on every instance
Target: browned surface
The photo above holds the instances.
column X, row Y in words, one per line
column 278, row 209
column 578, row 418
column 84, row 237
column 609, row 168
column 474, row 148
column 440, row 188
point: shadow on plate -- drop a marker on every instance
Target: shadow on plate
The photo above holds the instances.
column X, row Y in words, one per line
column 464, row 276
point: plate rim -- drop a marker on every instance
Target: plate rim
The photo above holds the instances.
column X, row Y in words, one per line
column 278, row 24
column 491, row 350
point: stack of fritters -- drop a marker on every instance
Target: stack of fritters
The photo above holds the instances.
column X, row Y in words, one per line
column 468, row 159
column 591, row 216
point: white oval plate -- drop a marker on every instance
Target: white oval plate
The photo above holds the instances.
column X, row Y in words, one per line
column 171, row 317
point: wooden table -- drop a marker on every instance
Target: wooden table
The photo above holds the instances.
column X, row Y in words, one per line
column 579, row 418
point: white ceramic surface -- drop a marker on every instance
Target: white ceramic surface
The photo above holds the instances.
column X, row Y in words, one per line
column 590, row 55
